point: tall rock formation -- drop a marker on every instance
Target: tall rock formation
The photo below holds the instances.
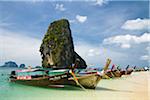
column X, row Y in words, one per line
column 57, row 49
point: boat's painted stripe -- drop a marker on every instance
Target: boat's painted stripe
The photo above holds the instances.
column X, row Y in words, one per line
column 61, row 70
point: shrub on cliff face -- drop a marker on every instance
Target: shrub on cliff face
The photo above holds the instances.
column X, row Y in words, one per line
column 57, row 47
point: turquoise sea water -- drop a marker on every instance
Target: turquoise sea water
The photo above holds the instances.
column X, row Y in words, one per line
column 111, row 89
column 13, row 91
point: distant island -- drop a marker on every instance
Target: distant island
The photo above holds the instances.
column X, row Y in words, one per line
column 13, row 64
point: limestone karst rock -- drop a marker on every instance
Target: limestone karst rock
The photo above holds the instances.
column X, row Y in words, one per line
column 57, row 49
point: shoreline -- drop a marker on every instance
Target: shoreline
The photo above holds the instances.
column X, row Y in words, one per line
column 128, row 87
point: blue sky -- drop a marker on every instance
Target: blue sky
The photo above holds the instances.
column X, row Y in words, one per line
column 100, row 29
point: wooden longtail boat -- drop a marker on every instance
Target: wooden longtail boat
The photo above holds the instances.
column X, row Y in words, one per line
column 28, row 77
column 45, row 78
column 85, row 79
column 88, row 79
column 138, row 69
column 128, row 70
column 113, row 73
column 53, row 78
column 108, row 74
column 43, row 81
column 39, row 77
column 116, row 71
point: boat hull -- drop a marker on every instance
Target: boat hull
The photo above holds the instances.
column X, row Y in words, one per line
column 43, row 81
column 108, row 75
column 129, row 72
column 117, row 73
column 33, row 82
column 113, row 74
column 88, row 81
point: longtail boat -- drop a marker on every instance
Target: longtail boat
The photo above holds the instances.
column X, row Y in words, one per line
column 115, row 72
column 84, row 78
column 40, row 77
column 108, row 75
column 49, row 77
column 128, row 70
column 138, row 69
column 55, row 77
column 112, row 73
column 88, row 79
column 34, row 77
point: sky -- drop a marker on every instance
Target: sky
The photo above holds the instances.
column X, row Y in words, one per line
column 119, row 30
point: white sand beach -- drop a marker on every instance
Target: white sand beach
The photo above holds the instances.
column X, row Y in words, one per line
column 128, row 87
column 133, row 87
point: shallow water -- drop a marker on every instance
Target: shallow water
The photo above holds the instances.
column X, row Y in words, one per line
column 13, row 91
column 115, row 89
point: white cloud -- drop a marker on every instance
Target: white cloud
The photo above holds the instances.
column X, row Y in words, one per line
column 78, row 18
column 96, row 54
column 19, row 48
column 81, row 19
column 100, row 2
column 125, row 46
column 138, row 24
column 60, row 7
column 145, row 57
column 91, row 50
column 125, row 41
column 72, row 21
